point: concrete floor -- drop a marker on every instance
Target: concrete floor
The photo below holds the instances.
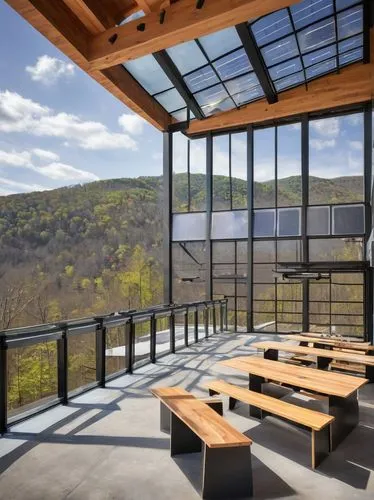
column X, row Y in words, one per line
column 107, row 444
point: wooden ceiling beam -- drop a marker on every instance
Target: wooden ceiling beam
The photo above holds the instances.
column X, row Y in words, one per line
column 352, row 85
column 148, row 6
column 62, row 27
column 182, row 22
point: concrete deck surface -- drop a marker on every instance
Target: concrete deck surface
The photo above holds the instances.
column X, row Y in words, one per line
column 107, row 444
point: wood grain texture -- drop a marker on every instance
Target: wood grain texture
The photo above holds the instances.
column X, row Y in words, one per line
column 354, row 346
column 328, row 383
column 324, row 93
column 312, row 351
column 211, row 428
column 62, row 27
column 309, row 418
column 183, row 22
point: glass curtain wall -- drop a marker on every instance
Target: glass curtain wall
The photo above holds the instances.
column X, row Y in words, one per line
column 300, row 188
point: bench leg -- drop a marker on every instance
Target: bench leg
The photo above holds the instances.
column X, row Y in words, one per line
column 182, row 438
column 345, row 411
column 323, row 363
column 255, row 384
column 217, row 406
column 164, row 418
column 321, row 445
column 369, row 373
column 227, row 473
column 271, row 354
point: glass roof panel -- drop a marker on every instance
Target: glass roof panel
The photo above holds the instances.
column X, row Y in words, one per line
column 280, row 50
column 318, row 35
column 248, row 95
column 351, row 56
column 271, row 27
column 234, row 64
column 180, row 115
column 241, row 83
column 201, row 79
column 286, row 68
column 311, row 11
column 289, row 81
column 319, row 55
column 342, row 4
column 350, row 22
column 218, row 44
column 187, row 56
column 214, row 100
column 170, row 100
column 351, row 43
column 321, row 68
column 149, row 74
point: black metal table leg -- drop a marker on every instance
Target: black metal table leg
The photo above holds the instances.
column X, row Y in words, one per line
column 182, row 438
column 323, row 363
column 255, row 384
column 227, row 472
column 271, row 354
column 369, row 373
column 345, row 411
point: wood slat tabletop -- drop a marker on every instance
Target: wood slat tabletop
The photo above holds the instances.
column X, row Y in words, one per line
column 356, row 346
column 213, row 429
column 323, row 382
column 313, row 351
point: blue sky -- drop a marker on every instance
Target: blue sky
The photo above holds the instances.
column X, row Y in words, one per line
column 59, row 127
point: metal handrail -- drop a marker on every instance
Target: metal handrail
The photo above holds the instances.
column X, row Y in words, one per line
column 61, row 331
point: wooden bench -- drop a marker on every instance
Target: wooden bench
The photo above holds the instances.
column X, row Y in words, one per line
column 227, row 468
column 323, row 356
column 330, row 343
column 341, row 390
column 318, row 423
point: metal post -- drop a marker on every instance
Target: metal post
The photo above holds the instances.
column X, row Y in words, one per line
column 3, row 385
column 172, row 333
column 186, row 329
column 304, row 212
column 206, row 322
column 368, row 152
column 196, row 324
column 153, row 338
column 226, row 315
column 250, row 160
column 214, row 318
column 221, row 317
column 100, row 352
column 62, row 367
column 130, row 327
column 167, row 193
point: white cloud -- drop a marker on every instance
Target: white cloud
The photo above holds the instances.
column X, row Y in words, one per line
column 55, row 170
column 133, row 124
column 356, row 145
column 48, row 70
column 60, row 171
column 320, row 144
column 18, row 114
column 16, row 186
column 45, row 155
column 354, row 120
column 328, row 127
column 15, row 159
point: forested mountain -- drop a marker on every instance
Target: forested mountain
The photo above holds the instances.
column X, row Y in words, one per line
column 97, row 247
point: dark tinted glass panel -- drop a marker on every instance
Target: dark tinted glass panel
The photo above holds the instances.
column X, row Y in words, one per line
column 320, row 69
column 277, row 52
column 348, row 220
column 233, row 65
column 264, row 223
column 351, row 56
column 285, row 69
column 350, row 22
column 214, row 100
column 289, row 222
column 246, row 82
column 318, row 35
column 248, row 95
column 318, row 221
column 310, row 11
column 272, row 27
column 289, row 81
column 201, row 79
column 319, row 55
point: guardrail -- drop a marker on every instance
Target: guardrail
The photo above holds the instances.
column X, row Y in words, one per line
column 134, row 351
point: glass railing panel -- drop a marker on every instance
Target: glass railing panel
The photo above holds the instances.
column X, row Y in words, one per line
column 81, row 360
column 116, row 355
column 162, row 335
column 142, row 343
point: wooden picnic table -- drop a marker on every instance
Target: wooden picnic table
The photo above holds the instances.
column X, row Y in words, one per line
column 327, row 342
column 323, row 356
column 341, row 390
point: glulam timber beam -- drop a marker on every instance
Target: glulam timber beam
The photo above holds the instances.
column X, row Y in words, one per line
column 148, row 6
column 55, row 20
column 352, row 85
column 183, row 21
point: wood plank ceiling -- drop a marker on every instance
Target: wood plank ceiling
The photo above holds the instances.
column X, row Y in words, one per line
column 88, row 32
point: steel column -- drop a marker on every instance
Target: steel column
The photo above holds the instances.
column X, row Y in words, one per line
column 167, row 226
column 368, row 152
column 3, row 385
column 209, row 204
column 304, row 212
column 172, row 333
column 250, row 160
column 153, row 339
